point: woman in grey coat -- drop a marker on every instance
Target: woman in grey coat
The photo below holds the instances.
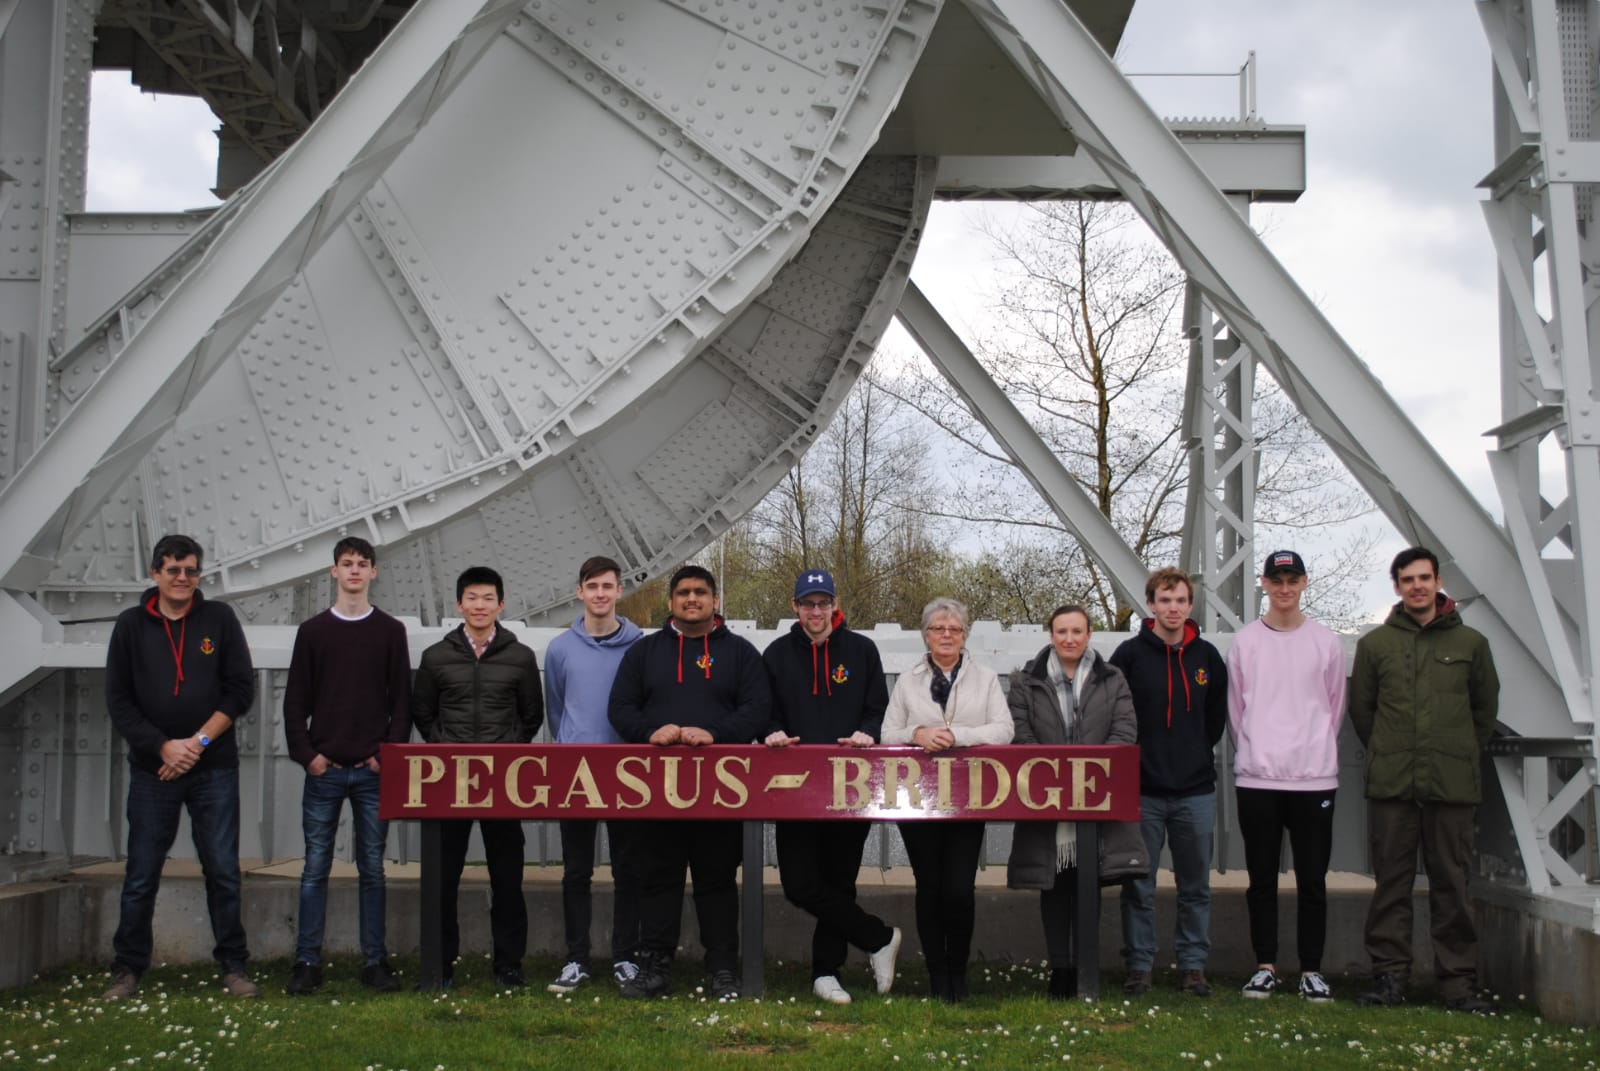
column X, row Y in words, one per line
column 1068, row 694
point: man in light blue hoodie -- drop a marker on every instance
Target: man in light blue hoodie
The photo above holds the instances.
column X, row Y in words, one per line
column 579, row 667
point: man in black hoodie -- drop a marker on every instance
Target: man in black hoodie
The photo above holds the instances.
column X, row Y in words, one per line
column 691, row 684
column 828, row 688
column 178, row 675
column 1180, row 694
column 480, row 685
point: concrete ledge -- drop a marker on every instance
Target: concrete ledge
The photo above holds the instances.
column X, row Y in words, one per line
column 1525, row 950
column 73, row 920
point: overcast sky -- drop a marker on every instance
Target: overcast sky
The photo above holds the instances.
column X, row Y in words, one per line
column 1388, row 239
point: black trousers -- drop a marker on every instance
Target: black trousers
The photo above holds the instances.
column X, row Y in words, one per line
column 1058, row 909
column 1264, row 816
column 944, row 860
column 818, row 863
column 710, row 852
column 579, row 838
column 508, row 912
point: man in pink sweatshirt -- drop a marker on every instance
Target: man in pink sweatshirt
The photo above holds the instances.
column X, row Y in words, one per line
column 1286, row 685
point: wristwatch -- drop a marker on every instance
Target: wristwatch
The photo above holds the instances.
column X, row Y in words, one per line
column 205, row 741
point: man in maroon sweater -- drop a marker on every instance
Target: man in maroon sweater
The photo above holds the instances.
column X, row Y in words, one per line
column 349, row 691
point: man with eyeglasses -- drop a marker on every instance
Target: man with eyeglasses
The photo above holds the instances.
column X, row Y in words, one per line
column 828, row 688
column 178, row 675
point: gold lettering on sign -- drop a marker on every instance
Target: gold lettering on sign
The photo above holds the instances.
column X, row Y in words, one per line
column 1052, row 795
column 421, row 770
column 850, row 783
column 670, row 786
column 1083, row 781
column 944, row 764
column 631, row 781
column 975, row 767
column 729, row 780
column 583, row 784
column 903, row 773
column 467, row 781
column 541, row 793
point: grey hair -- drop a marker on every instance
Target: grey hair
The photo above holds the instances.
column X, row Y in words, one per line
column 944, row 605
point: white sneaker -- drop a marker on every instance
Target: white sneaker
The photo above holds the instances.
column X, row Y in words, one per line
column 883, row 962
column 571, row 977
column 1315, row 988
column 1261, row 985
column 624, row 971
column 828, row 988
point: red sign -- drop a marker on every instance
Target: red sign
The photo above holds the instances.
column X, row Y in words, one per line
column 532, row 781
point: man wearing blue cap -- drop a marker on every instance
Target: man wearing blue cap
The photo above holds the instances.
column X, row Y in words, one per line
column 828, row 688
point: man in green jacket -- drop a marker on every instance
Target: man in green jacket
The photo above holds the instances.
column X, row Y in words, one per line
column 1423, row 700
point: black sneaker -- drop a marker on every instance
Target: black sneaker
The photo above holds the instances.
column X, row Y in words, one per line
column 1472, row 1004
column 653, row 980
column 724, row 985
column 1387, row 991
column 380, row 976
column 306, row 979
column 510, row 978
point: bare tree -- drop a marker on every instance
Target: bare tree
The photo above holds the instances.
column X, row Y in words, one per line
column 857, row 504
column 1086, row 340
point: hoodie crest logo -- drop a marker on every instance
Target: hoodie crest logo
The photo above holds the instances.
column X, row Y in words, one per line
column 207, row 647
column 840, row 674
column 705, row 662
column 1201, row 676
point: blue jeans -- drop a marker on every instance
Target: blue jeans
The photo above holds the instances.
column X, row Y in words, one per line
column 1188, row 825
column 154, row 808
column 320, row 804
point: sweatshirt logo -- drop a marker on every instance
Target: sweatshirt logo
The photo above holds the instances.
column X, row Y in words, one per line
column 705, row 662
column 840, row 674
column 207, row 647
column 1201, row 676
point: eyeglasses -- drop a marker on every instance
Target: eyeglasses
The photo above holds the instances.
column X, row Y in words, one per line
column 190, row 571
column 825, row 604
column 946, row 630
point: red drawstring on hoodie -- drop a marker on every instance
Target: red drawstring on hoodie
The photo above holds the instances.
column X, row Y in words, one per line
column 827, row 660
column 1183, row 674
column 706, row 641
column 177, row 648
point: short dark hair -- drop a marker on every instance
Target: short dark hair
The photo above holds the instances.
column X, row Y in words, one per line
column 1062, row 611
column 598, row 565
column 176, row 547
column 480, row 574
column 354, row 545
column 692, row 572
column 1168, row 577
column 1410, row 556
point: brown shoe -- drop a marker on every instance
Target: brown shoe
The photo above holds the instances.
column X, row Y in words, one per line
column 238, row 984
column 1137, row 983
column 124, row 984
column 1194, row 983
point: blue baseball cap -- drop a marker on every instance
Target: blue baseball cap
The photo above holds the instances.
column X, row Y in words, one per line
column 813, row 582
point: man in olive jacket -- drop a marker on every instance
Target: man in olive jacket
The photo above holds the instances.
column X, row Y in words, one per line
column 480, row 685
column 1423, row 700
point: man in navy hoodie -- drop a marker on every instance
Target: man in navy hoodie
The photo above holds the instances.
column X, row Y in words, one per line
column 828, row 688
column 579, row 666
column 1180, row 695
column 178, row 675
column 691, row 684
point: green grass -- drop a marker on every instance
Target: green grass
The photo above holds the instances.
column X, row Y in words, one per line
column 181, row 1020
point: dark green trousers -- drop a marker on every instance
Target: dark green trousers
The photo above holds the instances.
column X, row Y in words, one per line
column 1396, row 829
